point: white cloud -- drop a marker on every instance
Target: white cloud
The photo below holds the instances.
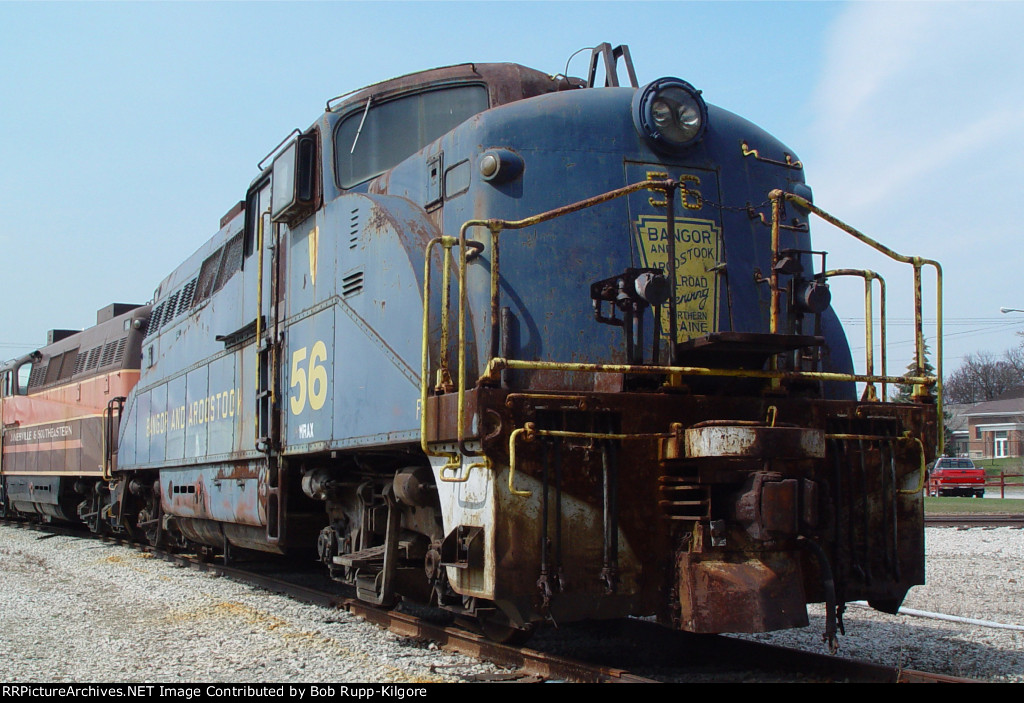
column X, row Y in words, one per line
column 919, row 108
column 864, row 51
column 949, row 154
column 912, row 89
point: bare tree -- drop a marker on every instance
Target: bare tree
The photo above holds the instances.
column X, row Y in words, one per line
column 1015, row 358
column 983, row 377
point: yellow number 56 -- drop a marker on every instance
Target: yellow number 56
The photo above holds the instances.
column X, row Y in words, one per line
column 315, row 381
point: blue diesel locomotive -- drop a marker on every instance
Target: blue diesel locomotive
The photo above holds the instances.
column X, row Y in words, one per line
column 448, row 345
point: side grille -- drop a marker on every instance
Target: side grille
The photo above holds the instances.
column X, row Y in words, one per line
column 109, row 349
column 119, row 352
column 154, row 320
column 352, row 284
column 187, row 295
column 37, row 377
column 81, row 361
column 94, row 358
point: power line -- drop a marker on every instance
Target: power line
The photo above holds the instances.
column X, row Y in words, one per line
column 946, row 321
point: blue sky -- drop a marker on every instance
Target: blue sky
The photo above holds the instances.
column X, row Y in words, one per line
column 128, row 129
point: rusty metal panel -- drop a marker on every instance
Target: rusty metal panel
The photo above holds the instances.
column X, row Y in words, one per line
column 738, row 593
column 225, row 493
column 725, row 440
column 442, row 419
column 779, row 510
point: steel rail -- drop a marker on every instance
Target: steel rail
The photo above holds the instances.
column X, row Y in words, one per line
column 974, row 520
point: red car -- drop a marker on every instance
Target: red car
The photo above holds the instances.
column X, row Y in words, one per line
column 953, row 476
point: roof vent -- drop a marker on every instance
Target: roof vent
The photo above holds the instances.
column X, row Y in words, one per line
column 57, row 335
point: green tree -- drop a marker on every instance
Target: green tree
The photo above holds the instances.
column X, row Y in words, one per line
column 904, row 392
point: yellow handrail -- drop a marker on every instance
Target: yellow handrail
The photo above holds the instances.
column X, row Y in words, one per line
column 869, row 310
column 495, row 363
column 777, row 196
column 530, row 431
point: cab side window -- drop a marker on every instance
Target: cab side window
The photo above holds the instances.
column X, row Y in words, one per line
column 24, row 372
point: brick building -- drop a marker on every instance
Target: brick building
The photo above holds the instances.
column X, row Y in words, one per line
column 995, row 428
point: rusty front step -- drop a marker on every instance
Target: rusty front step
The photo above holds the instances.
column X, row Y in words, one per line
column 374, row 556
column 683, row 499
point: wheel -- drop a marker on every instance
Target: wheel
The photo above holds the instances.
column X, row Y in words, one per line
column 979, row 494
column 493, row 623
column 149, row 524
column 496, row 628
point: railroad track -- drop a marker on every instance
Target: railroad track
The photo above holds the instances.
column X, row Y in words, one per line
column 707, row 657
column 629, row 651
column 971, row 520
column 615, row 658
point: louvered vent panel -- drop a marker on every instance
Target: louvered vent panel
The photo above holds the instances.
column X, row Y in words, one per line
column 37, row 376
column 154, row 320
column 231, row 263
column 119, row 352
column 187, row 296
column 94, row 358
column 208, row 276
column 352, row 284
column 109, row 349
column 172, row 306
column 353, row 235
column 81, row 361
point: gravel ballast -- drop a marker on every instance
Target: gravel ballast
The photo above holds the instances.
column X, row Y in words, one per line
column 77, row 610
column 975, row 574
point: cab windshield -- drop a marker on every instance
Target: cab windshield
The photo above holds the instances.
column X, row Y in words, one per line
column 369, row 142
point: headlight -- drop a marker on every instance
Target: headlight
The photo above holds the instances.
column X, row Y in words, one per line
column 670, row 114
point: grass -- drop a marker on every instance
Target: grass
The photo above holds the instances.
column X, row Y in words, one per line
column 941, row 506
column 1009, row 464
